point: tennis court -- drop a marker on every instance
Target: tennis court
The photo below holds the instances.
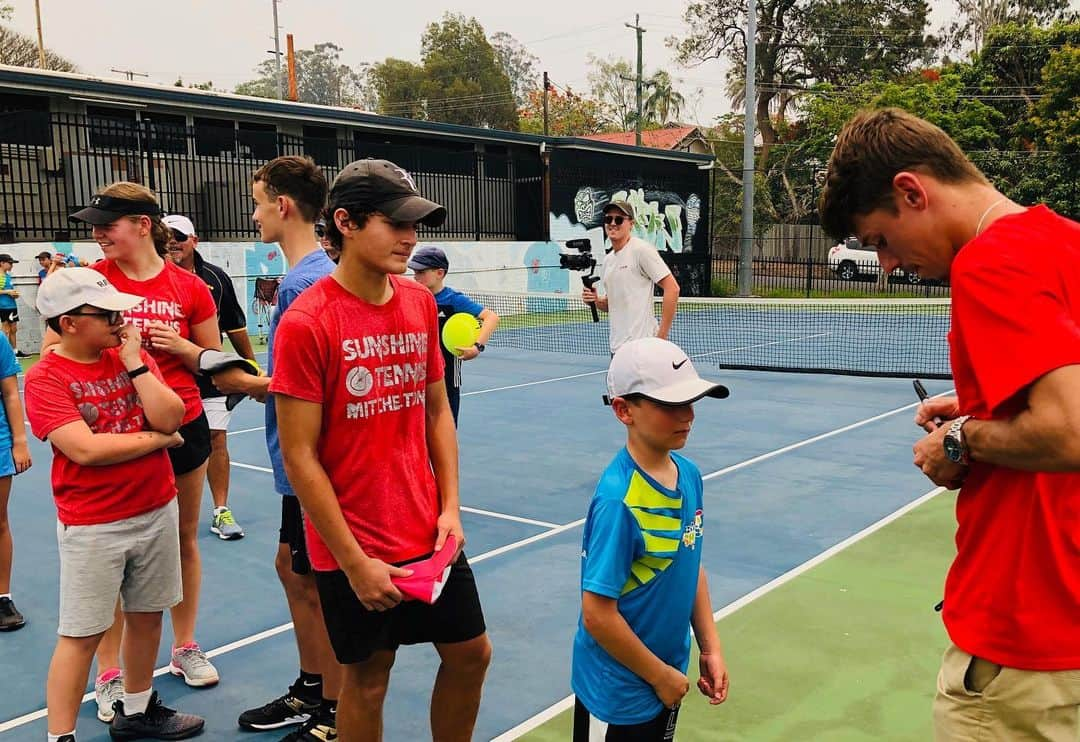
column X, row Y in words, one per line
column 825, row 551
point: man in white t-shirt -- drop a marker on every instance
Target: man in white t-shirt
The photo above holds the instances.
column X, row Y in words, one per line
column 631, row 269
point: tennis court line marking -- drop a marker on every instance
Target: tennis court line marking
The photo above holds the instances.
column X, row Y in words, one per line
column 566, row 703
column 274, row 631
column 474, row 511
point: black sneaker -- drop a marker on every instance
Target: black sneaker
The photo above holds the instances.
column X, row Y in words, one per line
column 321, row 727
column 10, row 618
column 67, row 738
column 157, row 722
column 20, row 354
column 281, row 712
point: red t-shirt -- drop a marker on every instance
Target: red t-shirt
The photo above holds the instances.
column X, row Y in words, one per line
column 177, row 298
column 1012, row 595
column 369, row 367
column 61, row 391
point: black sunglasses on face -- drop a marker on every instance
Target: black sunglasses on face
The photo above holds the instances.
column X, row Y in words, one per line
column 179, row 237
column 113, row 318
column 616, row 220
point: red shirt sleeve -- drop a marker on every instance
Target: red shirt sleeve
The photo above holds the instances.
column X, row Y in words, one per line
column 1015, row 324
column 49, row 404
column 306, row 349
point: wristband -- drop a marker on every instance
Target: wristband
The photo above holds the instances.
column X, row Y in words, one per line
column 143, row 369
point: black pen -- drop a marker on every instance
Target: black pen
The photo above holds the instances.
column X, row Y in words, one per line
column 923, row 396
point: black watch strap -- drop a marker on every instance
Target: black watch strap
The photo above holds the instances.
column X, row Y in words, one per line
column 479, row 347
column 143, row 369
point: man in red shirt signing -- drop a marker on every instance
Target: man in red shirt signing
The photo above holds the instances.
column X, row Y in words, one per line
column 369, row 446
column 1010, row 439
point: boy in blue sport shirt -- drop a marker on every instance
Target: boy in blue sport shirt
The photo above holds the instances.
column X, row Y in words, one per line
column 642, row 584
column 14, row 459
column 430, row 265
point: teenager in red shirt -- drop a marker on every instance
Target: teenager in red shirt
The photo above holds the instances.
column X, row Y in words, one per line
column 357, row 363
column 108, row 412
column 1010, row 439
column 177, row 320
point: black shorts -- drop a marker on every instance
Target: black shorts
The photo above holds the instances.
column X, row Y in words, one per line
column 356, row 633
column 292, row 533
column 196, row 448
column 9, row 315
column 660, row 729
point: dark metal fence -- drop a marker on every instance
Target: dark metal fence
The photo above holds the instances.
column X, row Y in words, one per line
column 780, row 277
column 51, row 163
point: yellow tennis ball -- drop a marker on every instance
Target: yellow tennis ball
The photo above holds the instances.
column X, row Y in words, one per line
column 460, row 331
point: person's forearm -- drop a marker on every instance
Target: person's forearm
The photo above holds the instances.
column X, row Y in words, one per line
column 667, row 311
column 13, row 407
column 443, row 451
column 1051, row 444
column 601, row 303
column 319, row 502
column 103, row 449
column 163, row 408
column 611, row 632
column 701, row 618
column 487, row 329
column 241, row 342
column 188, row 352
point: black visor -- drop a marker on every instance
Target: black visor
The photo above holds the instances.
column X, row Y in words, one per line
column 107, row 209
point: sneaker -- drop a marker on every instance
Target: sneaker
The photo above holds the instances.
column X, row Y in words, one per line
column 225, row 526
column 190, row 663
column 318, row 728
column 108, row 689
column 281, row 712
column 10, row 618
column 20, row 354
column 67, row 738
column 157, row 722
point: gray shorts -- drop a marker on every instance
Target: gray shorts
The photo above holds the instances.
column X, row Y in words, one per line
column 136, row 558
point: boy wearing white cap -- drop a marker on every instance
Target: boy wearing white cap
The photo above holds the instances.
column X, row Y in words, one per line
column 102, row 403
column 642, row 584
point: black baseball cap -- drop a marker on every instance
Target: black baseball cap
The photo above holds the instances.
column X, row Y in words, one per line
column 5, row 258
column 380, row 185
column 107, row 209
column 44, row 254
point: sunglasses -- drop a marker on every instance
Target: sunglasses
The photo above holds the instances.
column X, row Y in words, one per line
column 179, row 237
column 616, row 220
column 113, row 317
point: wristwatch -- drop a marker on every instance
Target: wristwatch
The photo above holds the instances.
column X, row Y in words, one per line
column 135, row 372
column 479, row 347
column 955, row 449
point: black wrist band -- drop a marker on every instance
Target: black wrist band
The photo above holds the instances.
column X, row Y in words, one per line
column 143, row 369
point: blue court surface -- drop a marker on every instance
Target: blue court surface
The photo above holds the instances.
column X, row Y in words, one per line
column 794, row 464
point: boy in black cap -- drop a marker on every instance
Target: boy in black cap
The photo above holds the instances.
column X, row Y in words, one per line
column 9, row 310
column 430, row 265
column 364, row 366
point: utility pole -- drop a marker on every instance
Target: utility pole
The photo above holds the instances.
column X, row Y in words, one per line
column 746, row 249
column 277, row 52
column 40, row 37
column 637, row 122
column 293, row 96
column 547, row 87
column 129, row 74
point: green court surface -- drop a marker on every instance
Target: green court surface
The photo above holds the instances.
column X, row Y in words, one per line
column 848, row 650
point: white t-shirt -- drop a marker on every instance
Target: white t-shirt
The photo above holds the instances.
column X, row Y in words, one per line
column 628, row 278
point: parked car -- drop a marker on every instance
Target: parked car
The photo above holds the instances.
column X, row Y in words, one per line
column 853, row 261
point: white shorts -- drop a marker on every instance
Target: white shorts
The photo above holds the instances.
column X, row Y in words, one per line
column 216, row 414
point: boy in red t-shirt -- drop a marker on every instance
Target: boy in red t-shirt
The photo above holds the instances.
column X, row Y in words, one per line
column 1009, row 438
column 357, row 364
column 102, row 403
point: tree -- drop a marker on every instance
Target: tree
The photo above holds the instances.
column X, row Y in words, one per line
column 1056, row 116
column 977, row 17
column 664, row 102
column 19, row 50
column 518, row 63
column 611, row 82
column 569, row 114
column 321, row 78
column 399, row 87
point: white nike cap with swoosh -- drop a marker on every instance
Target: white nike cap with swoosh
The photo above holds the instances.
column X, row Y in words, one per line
column 658, row 370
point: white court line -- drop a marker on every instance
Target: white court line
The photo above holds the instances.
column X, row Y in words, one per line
column 246, row 430
column 475, row 511
column 566, row 703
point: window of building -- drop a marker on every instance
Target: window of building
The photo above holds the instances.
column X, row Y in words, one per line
column 320, row 144
column 215, row 137
column 112, row 128
column 257, row 141
column 24, row 119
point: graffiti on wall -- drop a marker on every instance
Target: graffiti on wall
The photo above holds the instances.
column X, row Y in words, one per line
column 664, row 219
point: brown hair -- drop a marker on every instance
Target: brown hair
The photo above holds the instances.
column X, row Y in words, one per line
column 333, row 234
column 871, row 149
column 135, row 192
column 297, row 177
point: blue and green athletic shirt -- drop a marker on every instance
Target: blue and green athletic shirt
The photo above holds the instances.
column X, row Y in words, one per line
column 642, row 547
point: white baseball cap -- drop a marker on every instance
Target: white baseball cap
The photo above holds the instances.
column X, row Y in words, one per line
column 71, row 288
column 660, row 371
column 180, row 223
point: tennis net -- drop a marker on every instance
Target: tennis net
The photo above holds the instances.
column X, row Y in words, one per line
column 861, row 337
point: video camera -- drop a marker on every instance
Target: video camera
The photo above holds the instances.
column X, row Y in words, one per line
column 582, row 260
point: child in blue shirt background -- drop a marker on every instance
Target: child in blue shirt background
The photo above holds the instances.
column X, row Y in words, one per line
column 14, row 459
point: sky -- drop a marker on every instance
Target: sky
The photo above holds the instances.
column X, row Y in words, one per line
column 222, row 41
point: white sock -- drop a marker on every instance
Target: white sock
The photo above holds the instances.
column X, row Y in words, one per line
column 136, row 703
column 220, row 509
column 56, row 737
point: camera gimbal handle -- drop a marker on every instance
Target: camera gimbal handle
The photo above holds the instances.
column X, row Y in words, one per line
column 589, row 281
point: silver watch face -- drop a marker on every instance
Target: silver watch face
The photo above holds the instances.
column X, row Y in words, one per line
column 954, row 450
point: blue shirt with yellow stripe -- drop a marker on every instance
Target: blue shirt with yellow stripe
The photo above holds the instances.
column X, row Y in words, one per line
column 642, row 547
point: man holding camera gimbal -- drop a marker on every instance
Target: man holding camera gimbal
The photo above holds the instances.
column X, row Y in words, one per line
column 631, row 269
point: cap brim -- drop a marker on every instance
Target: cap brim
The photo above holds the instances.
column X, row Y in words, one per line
column 414, row 209
column 95, row 216
column 687, row 391
column 118, row 302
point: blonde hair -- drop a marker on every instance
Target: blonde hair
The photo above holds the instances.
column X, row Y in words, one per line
column 871, row 149
column 160, row 233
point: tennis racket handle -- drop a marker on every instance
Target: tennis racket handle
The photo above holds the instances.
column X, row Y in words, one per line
column 589, row 281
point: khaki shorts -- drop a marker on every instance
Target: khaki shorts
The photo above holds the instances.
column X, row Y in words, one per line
column 136, row 558
column 979, row 701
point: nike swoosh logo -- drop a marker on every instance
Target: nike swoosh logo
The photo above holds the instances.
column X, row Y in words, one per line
column 679, row 365
column 309, row 685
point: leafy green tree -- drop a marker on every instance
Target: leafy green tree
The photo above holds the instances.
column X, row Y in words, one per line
column 399, row 87
column 569, row 114
column 976, row 18
column 519, row 64
column 321, row 78
column 611, row 82
column 664, row 102
column 1057, row 113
